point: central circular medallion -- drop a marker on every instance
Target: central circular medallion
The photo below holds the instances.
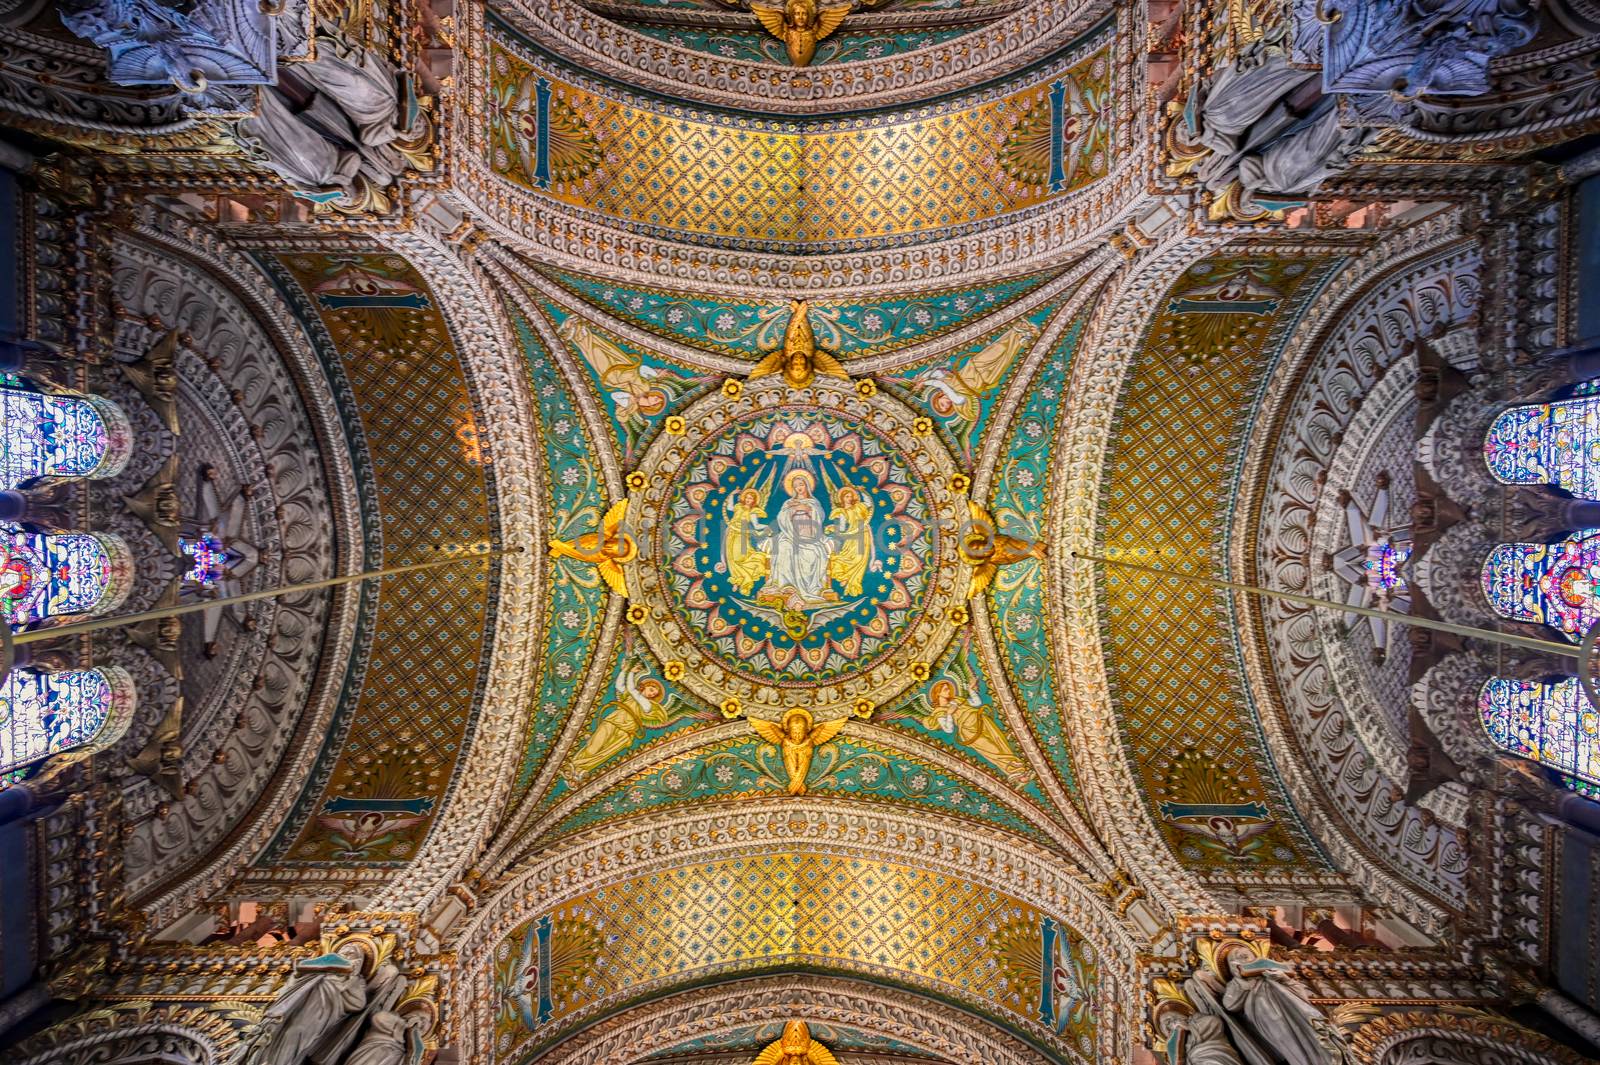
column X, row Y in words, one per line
column 798, row 548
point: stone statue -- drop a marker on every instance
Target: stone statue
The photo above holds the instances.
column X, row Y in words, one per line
column 383, row 991
column 1202, row 1039
column 387, row 1042
column 331, row 120
column 1205, row 989
column 1297, row 162
column 1269, row 129
column 325, row 992
column 1280, row 1018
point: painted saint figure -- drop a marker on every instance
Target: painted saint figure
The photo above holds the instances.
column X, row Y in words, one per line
column 973, row 727
column 852, row 532
column 747, row 564
column 639, row 705
column 800, row 548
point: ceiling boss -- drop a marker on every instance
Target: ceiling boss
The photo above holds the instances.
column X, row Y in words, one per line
column 798, row 547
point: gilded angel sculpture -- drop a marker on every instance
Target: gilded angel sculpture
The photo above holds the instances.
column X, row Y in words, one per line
column 800, row 24
column 797, row 739
column 986, row 549
column 607, row 550
column 795, row 1047
column 799, row 360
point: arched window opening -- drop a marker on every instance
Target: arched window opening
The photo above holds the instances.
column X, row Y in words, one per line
column 1547, row 584
column 1552, row 723
column 1556, row 443
column 42, row 714
column 46, row 576
column 45, row 435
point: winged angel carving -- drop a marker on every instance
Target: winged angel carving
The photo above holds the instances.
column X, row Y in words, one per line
column 800, row 24
column 797, row 739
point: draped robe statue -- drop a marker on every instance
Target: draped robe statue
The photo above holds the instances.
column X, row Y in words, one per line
column 325, row 991
column 1279, row 1016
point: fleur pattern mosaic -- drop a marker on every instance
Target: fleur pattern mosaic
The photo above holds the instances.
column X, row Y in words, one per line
column 1170, row 656
column 977, row 946
column 749, row 329
column 749, row 182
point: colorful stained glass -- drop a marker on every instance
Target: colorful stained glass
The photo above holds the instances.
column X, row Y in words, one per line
column 1383, row 563
column 1553, row 724
column 44, row 576
column 1548, row 584
column 45, row 713
column 59, row 436
column 210, row 559
column 1548, row 443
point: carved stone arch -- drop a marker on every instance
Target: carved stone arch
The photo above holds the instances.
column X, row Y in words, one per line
column 1448, row 573
column 1340, row 385
column 1108, row 347
column 189, row 277
column 566, row 29
column 136, row 1034
column 626, row 856
column 497, row 380
column 941, row 1031
column 1441, row 1038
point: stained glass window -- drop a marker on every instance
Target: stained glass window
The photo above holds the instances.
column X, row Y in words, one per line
column 44, row 576
column 1549, row 584
column 59, row 436
column 1554, row 724
column 45, row 713
column 1548, row 443
column 209, row 559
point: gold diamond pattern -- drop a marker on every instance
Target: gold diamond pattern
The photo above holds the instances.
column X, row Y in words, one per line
column 1174, row 676
column 795, row 908
column 800, row 183
column 426, row 638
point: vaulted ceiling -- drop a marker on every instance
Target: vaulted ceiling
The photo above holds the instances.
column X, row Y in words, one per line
column 789, row 401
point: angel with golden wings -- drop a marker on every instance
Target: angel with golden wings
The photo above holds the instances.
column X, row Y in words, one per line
column 607, row 550
column 799, row 360
column 986, row 549
column 800, row 24
column 797, row 737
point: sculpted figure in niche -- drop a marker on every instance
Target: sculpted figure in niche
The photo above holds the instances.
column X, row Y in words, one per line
column 1294, row 1028
column 390, row 1040
column 325, row 1010
column 331, row 119
column 324, row 992
column 1241, row 1008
